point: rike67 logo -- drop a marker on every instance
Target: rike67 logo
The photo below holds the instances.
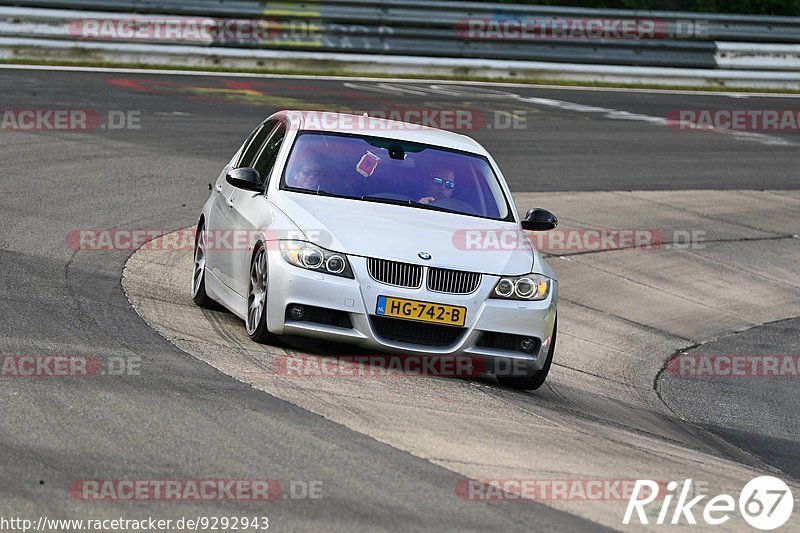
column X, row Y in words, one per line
column 765, row 503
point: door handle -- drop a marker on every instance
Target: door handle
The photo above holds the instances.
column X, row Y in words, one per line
column 229, row 201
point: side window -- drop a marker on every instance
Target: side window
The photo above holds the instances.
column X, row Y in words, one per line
column 254, row 144
column 268, row 155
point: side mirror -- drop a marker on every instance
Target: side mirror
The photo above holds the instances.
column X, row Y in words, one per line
column 539, row 220
column 245, row 178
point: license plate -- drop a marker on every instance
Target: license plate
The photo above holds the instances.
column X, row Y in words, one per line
column 449, row 315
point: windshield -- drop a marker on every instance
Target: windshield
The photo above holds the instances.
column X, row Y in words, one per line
column 390, row 171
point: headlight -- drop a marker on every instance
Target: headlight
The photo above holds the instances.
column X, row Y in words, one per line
column 312, row 257
column 532, row 287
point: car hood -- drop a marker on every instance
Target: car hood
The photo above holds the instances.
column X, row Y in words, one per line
column 401, row 233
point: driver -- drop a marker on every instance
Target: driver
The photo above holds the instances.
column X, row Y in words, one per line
column 307, row 176
column 440, row 184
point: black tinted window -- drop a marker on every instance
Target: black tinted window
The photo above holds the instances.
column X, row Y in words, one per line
column 255, row 143
column 266, row 160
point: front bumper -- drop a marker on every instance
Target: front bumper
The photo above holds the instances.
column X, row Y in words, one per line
column 292, row 285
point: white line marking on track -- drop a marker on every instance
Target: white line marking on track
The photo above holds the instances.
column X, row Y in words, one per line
column 613, row 114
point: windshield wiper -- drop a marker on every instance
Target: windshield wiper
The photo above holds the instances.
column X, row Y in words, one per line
column 320, row 192
column 409, row 203
column 394, row 201
column 317, row 192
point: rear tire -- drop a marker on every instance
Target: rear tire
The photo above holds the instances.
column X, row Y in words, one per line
column 256, row 321
column 536, row 380
column 199, row 294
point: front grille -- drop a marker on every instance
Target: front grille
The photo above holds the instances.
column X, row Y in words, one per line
column 409, row 332
column 397, row 274
column 453, row 281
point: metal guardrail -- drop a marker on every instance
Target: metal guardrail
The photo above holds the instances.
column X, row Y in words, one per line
column 433, row 14
column 429, row 28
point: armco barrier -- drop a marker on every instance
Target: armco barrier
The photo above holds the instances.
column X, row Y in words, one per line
column 433, row 14
column 432, row 29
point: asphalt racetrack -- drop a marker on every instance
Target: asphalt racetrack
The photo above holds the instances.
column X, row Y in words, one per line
column 390, row 454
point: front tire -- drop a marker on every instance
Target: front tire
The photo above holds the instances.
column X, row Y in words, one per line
column 199, row 294
column 256, row 322
column 536, row 380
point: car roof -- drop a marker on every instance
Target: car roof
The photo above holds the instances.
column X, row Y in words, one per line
column 379, row 127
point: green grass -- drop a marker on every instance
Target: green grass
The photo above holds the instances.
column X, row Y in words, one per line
column 312, row 72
